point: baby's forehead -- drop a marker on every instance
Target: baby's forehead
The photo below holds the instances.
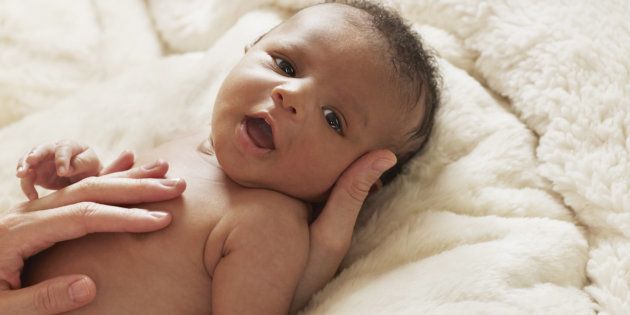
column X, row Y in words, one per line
column 341, row 20
column 333, row 11
column 332, row 31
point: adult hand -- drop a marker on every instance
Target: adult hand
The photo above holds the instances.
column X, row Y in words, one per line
column 331, row 232
column 71, row 213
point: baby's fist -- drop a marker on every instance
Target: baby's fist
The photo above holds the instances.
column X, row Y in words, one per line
column 56, row 165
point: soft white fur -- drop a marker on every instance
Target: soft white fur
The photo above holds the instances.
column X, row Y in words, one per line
column 521, row 198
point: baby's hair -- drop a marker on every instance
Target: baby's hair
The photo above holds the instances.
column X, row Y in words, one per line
column 411, row 61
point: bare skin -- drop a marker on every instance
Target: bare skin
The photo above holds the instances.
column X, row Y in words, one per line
column 184, row 254
column 31, row 227
column 81, row 208
column 239, row 241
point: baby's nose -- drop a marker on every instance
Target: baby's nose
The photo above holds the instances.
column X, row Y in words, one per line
column 279, row 99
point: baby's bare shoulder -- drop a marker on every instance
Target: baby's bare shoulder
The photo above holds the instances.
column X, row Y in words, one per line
column 261, row 207
column 260, row 220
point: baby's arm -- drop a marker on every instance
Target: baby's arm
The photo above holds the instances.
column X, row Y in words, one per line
column 263, row 256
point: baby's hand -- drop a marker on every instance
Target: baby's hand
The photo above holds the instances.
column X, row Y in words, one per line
column 56, row 165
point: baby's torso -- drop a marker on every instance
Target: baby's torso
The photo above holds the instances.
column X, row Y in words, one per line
column 163, row 272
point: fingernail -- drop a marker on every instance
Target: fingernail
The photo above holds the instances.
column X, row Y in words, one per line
column 22, row 167
column 62, row 170
column 381, row 165
column 158, row 214
column 171, row 182
column 80, row 290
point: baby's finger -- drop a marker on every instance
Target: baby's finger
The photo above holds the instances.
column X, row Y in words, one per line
column 40, row 153
column 64, row 153
column 22, row 167
column 27, row 183
column 122, row 163
column 84, row 164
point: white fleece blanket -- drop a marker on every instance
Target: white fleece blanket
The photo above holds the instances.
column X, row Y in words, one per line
column 521, row 204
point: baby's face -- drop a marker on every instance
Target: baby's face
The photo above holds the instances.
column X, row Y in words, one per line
column 307, row 100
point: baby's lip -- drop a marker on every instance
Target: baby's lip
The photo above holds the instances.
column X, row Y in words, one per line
column 270, row 121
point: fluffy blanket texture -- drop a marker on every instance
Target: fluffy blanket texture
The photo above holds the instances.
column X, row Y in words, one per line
column 521, row 203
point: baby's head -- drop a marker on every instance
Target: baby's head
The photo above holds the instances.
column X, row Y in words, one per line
column 318, row 91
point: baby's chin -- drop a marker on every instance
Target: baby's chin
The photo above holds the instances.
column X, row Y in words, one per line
column 294, row 190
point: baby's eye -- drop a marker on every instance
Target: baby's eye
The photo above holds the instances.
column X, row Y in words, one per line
column 285, row 66
column 333, row 120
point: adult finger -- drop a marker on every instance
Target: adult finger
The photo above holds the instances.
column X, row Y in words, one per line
column 336, row 221
column 123, row 162
column 53, row 296
column 118, row 191
column 32, row 232
column 156, row 169
column 38, row 230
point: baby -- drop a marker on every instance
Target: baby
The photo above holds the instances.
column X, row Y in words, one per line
column 307, row 99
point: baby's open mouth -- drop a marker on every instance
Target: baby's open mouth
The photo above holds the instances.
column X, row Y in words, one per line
column 260, row 132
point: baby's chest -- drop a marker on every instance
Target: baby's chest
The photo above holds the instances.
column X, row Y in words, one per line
column 161, row 272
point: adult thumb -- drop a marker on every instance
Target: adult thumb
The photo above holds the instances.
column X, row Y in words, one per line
column 53, row 296
column 354, row 185
column 347, row 197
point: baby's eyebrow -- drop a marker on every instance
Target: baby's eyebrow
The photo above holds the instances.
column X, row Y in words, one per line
column 295, row 48
column 294, row 52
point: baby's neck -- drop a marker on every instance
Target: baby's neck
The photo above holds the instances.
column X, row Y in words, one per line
column 206, row 147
